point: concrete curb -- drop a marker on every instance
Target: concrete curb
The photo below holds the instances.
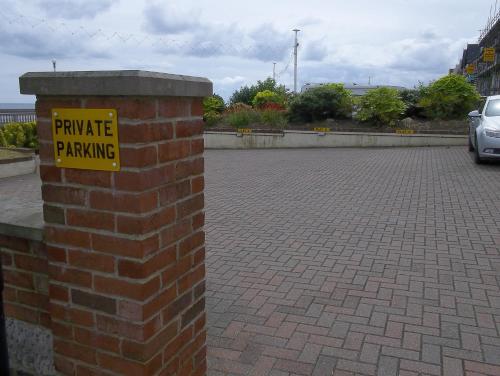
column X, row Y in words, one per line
column 18, row 166
column 309, row 139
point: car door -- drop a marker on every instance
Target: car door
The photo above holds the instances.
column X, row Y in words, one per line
column 476, row 121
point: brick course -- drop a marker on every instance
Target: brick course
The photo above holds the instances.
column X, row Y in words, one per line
column 25, row 273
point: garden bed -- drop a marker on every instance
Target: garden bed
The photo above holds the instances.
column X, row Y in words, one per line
column 457, row 127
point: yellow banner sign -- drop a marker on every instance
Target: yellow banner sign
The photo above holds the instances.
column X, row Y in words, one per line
column 86, row 138
column 470, row 68
column 489, row 55
column 321, row 130
column 244, row 130
column 405, row 131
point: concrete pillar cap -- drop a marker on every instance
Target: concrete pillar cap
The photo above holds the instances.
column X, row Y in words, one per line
column 114, row 83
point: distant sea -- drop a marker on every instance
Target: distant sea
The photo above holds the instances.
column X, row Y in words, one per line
column 17, row 106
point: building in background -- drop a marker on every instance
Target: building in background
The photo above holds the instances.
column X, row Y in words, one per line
column 355, row 89
column 470, row 55
column 481, row 62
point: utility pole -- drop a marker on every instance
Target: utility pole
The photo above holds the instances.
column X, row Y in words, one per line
column 295, row 47
column 54, row 64
column 274, row 71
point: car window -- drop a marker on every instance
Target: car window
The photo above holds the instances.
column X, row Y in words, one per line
column 493, row 108
column 482, row 102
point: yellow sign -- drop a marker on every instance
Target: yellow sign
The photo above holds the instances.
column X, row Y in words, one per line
column 321, row 129
column 489, row 55
column 405, row 131
column 244, row 130
column 470, row 68
column 86, row 138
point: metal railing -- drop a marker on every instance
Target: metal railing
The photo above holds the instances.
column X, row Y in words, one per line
column 9, row 116
column 492, row 20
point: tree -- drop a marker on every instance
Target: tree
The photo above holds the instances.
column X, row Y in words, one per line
column 246, row 94
column 328, row 101
column 450, row 97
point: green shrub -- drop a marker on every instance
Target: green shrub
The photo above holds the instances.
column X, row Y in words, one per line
column 266, row 97
column 21, row 135
column 328, row 101
column 246, row 94
column 214, row 103
column 450, row 97
column 213, row 107
column 211, row 118
column 241, row 119
column 382, row 106
column 3, row 141
column 274, row 118
column 411, row 97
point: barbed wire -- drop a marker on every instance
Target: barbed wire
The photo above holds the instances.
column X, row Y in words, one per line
column 163, row 44
column 285, row 69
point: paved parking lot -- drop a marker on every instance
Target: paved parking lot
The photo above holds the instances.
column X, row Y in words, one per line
column 353, row 262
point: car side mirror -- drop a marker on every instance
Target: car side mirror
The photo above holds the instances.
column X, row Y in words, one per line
column 474, row 114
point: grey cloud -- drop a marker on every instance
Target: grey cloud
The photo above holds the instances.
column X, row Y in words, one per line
column 347, row 72
column 203, row 39
column 315, row 51
column 74, row 9
column 309, row 21
column 213, row 40
column 428, row 35
column 269, row 44
column 40, row 44
column 340, row 72
column 428, row 53
column 164, row 19
column 29, row 46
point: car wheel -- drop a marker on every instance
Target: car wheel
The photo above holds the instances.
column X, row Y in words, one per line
column 477, row 157
column 471, row 147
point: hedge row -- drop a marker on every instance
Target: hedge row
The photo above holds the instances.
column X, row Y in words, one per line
column 450, row 97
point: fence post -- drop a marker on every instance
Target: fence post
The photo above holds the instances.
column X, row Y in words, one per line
column 125, row 240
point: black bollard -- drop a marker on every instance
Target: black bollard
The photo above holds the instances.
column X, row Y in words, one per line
column 4, row 355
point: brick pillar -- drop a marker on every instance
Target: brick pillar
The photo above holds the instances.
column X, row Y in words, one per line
column 126, row 248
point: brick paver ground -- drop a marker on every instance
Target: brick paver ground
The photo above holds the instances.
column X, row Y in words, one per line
column 345, row 261
column 353, row 262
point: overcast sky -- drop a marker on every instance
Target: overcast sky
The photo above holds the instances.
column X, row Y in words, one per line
column 398, row 42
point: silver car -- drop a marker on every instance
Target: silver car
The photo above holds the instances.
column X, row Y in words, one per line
column 484, row 130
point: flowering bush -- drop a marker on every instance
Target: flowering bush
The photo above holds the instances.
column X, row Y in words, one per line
column 21, row 135
column 238, row 107
column 263, row 98
column 246, row 94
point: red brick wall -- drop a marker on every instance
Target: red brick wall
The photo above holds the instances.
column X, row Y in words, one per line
column 25, row 273
column 126, row 249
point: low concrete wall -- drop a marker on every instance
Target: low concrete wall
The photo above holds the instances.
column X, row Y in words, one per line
column 307, row 139
column 25, row 297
